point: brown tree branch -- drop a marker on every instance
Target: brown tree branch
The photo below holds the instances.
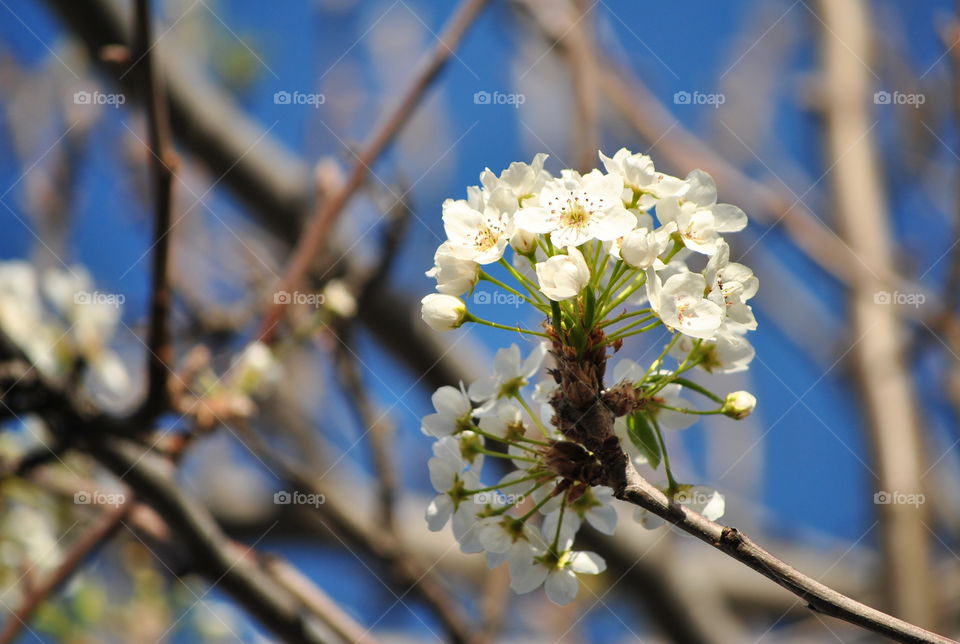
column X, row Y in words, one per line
column 734, row 543
column 311, row 242
column 162, row 161
column 103, row 529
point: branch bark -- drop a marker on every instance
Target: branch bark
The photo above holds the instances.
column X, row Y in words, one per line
column 311, row 242
column 819, row 598
column 162, row 163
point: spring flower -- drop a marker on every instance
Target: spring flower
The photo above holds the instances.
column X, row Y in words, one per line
column 453, row 412
column 640, row 178
column 575, row 209
column 255, row 368
column 557, row 573
column 479, row 234
column 563, row 276
column 521, row 181
column 641, row 248
column 510, row 374
column 730, row 285
column 443, row 312
column 599, row 257
column 698, row 216
column 454, row 276
column 682, row 306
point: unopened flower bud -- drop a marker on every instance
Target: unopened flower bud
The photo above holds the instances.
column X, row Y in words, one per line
column 524, row 242
column 739, row 404
column 443, row 312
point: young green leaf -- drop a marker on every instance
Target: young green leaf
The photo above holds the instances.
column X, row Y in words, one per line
column 642, row 435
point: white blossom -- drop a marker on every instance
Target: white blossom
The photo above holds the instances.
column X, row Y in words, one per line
column 639, row 176
column 575, row 209
column 510, row 374
column 455, row 276
column 453, row 412
column 477, row 233
column 681, row 304
column 563, row 276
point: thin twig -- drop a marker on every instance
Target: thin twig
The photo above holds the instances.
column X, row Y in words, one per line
column 101, row 532
column 162, row 163
column 734, row 543
column 317, row 231
column 407, row 572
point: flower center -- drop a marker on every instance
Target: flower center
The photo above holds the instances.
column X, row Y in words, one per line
column 487, row 237
column 576, row 210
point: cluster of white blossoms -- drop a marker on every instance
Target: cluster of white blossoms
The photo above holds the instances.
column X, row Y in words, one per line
column 603, row 256
column 59, row 320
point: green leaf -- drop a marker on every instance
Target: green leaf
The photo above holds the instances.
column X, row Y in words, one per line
column 642, row 435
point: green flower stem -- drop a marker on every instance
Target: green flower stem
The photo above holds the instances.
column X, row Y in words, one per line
column 505, row 441
column 638, row 281
column 534, row 418
column 689, row 384
column 524, row 281
column 619, row 335
column 557, row 316
column 621, row 274
column 698, row 412
column 490, row 452
column 685, row 366
column 519, row 329
column 656, row 363
column 489, row 278
column 672, row 486
column 532, row 477
column 556, row 536
column 625, row 316
column 539, row 505
column 677, row 246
